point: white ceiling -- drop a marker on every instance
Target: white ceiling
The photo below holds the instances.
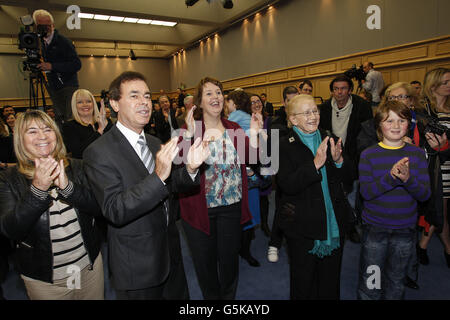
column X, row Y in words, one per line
column 116, row 38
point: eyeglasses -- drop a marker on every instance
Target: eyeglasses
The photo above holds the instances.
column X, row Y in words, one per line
column 399, row 97
column 256, row 102
column 307, row 113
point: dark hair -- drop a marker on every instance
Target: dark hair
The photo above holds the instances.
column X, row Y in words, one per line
column 306, row 81
column 289, row 90
column 164, row 96
column 7, row 106
column 342, row 78
column 241, row 99
column 114, row 87
column 383, row 112
column 198, row 112
column 262, row 94
column 416, row 82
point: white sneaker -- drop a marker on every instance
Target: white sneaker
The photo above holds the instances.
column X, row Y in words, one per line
column 272, row 254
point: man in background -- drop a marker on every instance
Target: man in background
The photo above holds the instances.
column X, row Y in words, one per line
column 61, row 64
column 373, row 83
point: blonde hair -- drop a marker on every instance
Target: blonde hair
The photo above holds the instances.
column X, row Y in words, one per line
column 410, row 91
column 432, row 81
column 42, row 13
column 294, row 102
column 75, row 115
column 25, row 160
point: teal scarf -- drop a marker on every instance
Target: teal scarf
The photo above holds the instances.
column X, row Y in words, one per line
column 322, row 248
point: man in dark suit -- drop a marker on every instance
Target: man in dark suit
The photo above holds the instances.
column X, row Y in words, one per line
column 165, row 121
column 267, row 106
column 342, row 115
column 132, row 182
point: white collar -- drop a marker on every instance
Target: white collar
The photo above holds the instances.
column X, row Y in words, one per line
column 131, row 136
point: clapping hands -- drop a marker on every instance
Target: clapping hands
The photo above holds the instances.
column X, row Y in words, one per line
column 400, row 170
column 47, row 172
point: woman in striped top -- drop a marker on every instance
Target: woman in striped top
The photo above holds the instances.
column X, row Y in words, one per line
column 47, row 209
column 393, row 178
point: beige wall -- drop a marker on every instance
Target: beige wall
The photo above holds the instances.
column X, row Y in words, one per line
column 96, row 74
column 302, row 31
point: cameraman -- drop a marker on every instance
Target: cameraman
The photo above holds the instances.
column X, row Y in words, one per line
column 374, row 82
column 61, row 64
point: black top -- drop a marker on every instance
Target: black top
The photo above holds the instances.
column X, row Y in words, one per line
column 7, row 149
column 77, row 137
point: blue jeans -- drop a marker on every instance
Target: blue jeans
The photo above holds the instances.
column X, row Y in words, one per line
column 389, row 250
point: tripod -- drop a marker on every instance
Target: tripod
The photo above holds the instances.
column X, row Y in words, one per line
column 36, row 85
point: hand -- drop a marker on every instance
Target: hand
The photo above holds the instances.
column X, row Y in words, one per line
column 321, row 155
column 407, row 139
column 256, row 123
column 164, row 158
column 336, row 150
column 197, row 154
column 190, row 122
column 61, row 181
column 45, row 66
column 102, row 122
column 45, row 172
column 400, row 169
column 166, row 115
column 436, row 141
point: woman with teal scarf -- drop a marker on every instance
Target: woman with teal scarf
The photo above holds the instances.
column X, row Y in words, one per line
column 313, row 205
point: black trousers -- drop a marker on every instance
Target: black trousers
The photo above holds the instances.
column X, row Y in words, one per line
column 216, row 256
column 153, row 293
column 312, row 277
column 62, row 102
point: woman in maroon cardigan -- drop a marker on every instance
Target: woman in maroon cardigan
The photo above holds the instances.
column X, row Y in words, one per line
column 213, row 214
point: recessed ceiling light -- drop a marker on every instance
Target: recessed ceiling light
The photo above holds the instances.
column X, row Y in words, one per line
column 144, row 21
column 116, row 18
column 101, row 17
column 131, row 20
column 86, row 15
column 163, row 23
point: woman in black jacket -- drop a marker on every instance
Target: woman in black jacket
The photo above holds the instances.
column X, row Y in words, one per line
column 47, row 209
column 88, row 123
column 313, row 209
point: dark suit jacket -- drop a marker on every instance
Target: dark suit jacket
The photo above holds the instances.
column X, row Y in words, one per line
column 162, row 127
column 361, row 112
column 269, row 108
column 132, row 201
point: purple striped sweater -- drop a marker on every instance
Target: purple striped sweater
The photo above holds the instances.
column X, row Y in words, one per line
column 388, row 202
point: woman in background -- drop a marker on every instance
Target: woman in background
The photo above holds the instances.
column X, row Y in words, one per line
column 87, row 125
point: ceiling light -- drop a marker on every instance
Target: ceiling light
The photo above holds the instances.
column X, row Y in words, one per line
column 131, row 20
column 116, row 18
column 163, row 23
column 144, row 21
column 86, row 15
column 101, row 17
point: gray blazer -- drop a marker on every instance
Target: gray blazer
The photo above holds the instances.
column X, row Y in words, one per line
column 132, row 200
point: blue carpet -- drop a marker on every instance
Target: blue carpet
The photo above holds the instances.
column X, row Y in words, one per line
column 270, row 281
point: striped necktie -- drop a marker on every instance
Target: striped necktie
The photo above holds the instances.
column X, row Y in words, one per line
column 146, row 155
column 147, row 159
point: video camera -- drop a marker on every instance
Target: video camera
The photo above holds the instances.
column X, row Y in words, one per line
column 30, row 42
column 354, row 73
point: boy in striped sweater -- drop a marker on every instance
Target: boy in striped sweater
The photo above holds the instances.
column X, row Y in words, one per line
column 393, row 178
